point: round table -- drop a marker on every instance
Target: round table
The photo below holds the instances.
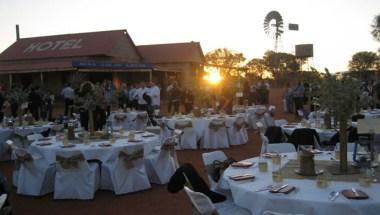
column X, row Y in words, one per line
column 95, row 149
column 324, row 134
column 306, row 199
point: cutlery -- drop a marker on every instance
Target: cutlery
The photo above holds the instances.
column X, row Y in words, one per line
column 334, row 195
column 280, row 188
column 355, row 192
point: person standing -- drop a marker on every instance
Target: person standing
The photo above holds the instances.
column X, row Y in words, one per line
column 141, row 90
column 35, row 103
column 298, row 97
column 68, row 95
column 123, row 96
column 132, row 96
column 154, row 92
column 188, row 100
column 175, row 97
column 49, row 101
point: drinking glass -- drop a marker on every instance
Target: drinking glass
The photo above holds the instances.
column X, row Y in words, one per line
column 322, row 181
column 263, row 165
column 365, row 177
column 337, row 152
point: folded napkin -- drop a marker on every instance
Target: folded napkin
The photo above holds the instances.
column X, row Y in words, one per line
column 243, row 164
column 68, row 146
column 44, row 144
column 134, row 141
column 316, row 151
column 349, row 194
column 241, row 177
column 139, row 132
column 283, row 189
column 104, row 144
column 45, row 138
column 270, row 155
column 148, row 135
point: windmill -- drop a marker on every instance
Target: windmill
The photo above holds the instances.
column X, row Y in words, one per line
column 274, row 27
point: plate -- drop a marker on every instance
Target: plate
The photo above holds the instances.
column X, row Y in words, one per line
column 243, row 164
column 148, row 135
column 44, row 144
column 134, row 141
column 318, row 172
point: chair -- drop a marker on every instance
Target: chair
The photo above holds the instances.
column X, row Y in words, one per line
column 188, row 140
column 141, row 121
column 238, row 132
column 305, row 136
column 165, row 130
column 32, row 176
column 208, row 158
column 126, row 173
column 160, row 166
column 281, row 147
column 119, row 120
column 274, row 134
column 216, row 135
column 203, row 206
column 75, row 177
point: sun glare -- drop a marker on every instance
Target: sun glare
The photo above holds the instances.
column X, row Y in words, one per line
column 212, row 75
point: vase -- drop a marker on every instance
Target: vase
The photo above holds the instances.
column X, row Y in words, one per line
column 343, row 165
column 91, row 127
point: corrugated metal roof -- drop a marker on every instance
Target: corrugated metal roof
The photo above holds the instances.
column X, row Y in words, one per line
column 172, row 53
column 65, row 45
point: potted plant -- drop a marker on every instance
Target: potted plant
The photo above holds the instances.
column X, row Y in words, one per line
column 338, row 96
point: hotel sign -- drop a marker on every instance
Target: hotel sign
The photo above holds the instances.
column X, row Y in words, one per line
column 54, row 45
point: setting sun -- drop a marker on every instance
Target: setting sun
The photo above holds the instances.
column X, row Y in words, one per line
column 213, row 75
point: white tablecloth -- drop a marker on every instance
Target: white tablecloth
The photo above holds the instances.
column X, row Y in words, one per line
column 94, row 150
column 7, row 133
column 307, row 199
column 324, row 134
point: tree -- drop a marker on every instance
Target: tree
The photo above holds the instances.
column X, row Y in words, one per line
column 281, row 65
column 229, row 62
column 376, row 28
column 257, row 68
column 363, row 61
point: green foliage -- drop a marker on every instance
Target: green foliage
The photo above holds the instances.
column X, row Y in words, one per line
column 256, row 67
column 18, row 95
column 76, row 79
column 338, row 94
column 363, row 61
column 376, row 27
column 228, row 61
column 93, row 96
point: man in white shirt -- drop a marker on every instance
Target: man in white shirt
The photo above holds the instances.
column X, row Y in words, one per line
column 154, row 93
column 68, row 94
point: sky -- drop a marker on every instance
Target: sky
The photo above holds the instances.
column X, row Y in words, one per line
column 337, row 28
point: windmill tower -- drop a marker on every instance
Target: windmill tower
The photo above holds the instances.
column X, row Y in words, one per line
column 274, row 27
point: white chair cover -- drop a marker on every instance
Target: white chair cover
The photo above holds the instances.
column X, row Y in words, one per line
column 237, row 133
column 126, row 173
column 350, row 147
column 281, row 147
column 32, row 175
column 268, row 120
column 208, row 158
column 203, row 205
column 5, row 150
column 160, row 166
column 188, row 139
column 165, row 131
column 75, row 178
column 215, row 135
column 141, row 121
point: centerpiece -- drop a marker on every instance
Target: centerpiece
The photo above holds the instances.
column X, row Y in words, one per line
column 20, row 97
column 339, row 95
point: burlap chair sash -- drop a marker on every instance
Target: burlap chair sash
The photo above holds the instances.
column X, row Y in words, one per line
column 183, row 125
column 240, row 123
column 128, row 158
column 216, row 125
column 142, row 117
column 169, row 145
column 120, row 117
column 71, row 162
column 21, row 159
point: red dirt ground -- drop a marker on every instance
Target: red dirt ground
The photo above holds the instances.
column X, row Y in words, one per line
column 154, row 201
